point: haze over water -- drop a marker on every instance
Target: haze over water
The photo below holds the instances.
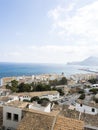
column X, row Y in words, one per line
column 20, row 69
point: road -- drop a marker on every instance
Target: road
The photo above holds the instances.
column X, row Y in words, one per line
column 69, row 100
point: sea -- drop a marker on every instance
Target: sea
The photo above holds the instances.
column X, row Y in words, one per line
column 20, row 69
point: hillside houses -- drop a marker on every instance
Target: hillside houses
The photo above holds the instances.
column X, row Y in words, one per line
column 51, row 121
column 27, row 110
column 17, row 115
column 60, row 123
column 51, row 95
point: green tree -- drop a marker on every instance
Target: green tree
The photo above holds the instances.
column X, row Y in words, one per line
column 27, row 87
column 8, row 86
column 35, row 98
column 42, row 87
column 81, row 91
column 63, row 81
column 53, row 82
column 21, row 87
column 14, row 86
column 93, row 80
column 61, row 92
column 24, row 87
column 95, row 99
column 43, row 101
column 94, row 90
column 14, row 83
column 82, row 96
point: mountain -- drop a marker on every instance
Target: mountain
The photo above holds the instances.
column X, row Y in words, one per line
column 90, row 61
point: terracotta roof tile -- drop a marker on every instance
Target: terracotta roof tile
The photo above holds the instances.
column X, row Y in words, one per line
column 32, row 94
column 63, row 123
column 42, row 121
column 36, row 121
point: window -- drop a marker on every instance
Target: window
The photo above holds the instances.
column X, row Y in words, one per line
column 15, row 117
column 8, row 129
column 9, row 116
column 93, row 110
column 80, row 105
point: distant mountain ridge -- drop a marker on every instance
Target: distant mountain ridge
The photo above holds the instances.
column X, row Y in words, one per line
column 90, row 61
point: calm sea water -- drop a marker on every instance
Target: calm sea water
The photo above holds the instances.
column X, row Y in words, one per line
column 17, row 69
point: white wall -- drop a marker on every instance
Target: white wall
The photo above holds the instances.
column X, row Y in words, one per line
column 38, row 107
column 13, row 98
column 86, row 109
column 51, row 97
column 24, row 98
column 87, row 90
column 11, row 123
column 95, row 85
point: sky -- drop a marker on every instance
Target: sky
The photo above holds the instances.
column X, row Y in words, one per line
column 48, row 31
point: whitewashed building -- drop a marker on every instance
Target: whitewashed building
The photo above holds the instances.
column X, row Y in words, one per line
column 94, row 86
column 89, row 108
column 12, row 114
column 38, row 107
column 51, row 95
column 4, row 92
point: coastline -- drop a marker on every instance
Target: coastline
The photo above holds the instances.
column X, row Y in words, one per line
column 9, row 70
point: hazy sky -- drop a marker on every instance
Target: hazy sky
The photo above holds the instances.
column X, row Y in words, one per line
column 54, row 31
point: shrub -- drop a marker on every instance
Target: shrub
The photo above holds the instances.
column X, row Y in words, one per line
column 94, row 90
column 25, row 100
column 36, row 98
column 82, row 96
column 43, row 101
column 81, row 91
column 61, row 92
column 95, row 99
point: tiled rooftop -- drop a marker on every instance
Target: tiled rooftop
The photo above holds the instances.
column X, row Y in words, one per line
column 32, row 94
column 34, row 120
column 4, row 99
column 63, row 123
column 17, row 104
column 88, row 103
column 88, row 119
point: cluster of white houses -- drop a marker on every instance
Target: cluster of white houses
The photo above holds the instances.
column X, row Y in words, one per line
column 13, row 112
column 81, row 106
column 51, row 95
column 13, row 106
